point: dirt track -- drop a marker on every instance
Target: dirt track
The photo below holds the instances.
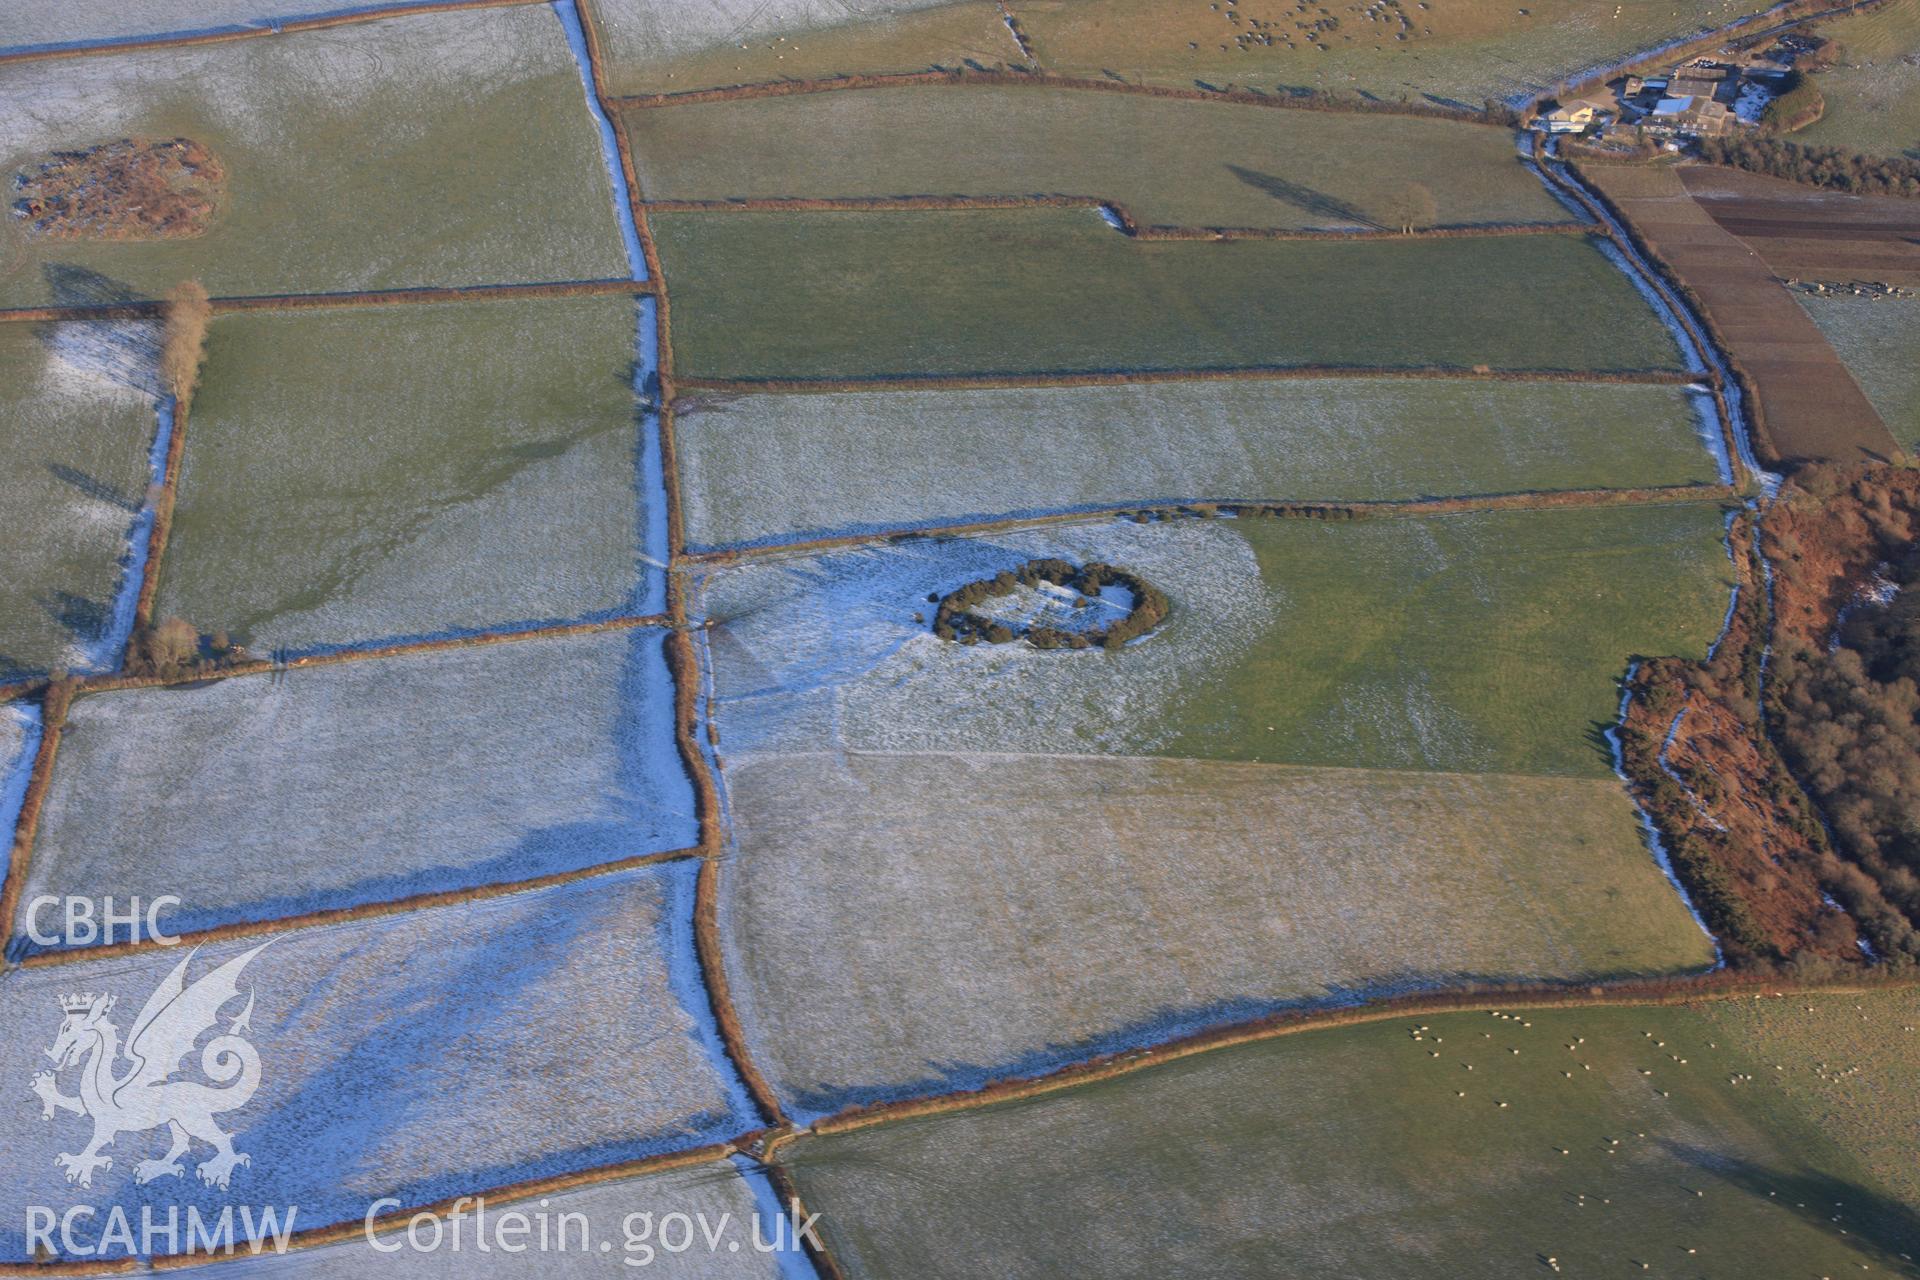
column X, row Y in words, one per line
column 1809, row 405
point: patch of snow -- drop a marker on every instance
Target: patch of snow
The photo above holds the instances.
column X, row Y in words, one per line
column 569, row 14
column 258, row 796
column 420, row 1056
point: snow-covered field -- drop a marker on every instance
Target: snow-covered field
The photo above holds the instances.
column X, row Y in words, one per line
column 415, row 1056
column 824, row 653
column 77, row 23
column 918, row 923
column 359, row 476
column 760, row 466
column 76, row 420
column 633, row 1214
column 258, row 796
column 373, row 155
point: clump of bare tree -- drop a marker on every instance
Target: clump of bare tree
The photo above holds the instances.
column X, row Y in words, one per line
column 184, row 338
column 174, row 647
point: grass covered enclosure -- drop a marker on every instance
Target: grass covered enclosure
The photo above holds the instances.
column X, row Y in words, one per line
column 417, row 1056
column 360, row 475
column 259, row 796
column 1351, row 1152
column 917, row 923
column 849, row 295
column 758, row 466
column 1168, row 162
column 440, row 149
column 1879, row 342
column 76, row 424
column 1873, row 91
column 665, row 46
column 1487, row 642
column 1460, row 51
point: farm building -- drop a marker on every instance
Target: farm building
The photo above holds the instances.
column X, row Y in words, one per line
column 1693, row 116
column 1572, row 117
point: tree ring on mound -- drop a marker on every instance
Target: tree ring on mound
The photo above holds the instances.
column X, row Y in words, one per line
column 127, row 189
column 1053, row 604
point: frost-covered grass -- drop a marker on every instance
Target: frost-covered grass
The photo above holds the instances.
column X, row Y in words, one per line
column 772, row 294
column 417, row 1056
column 1478, row 642
column 439, row 149
column 1879, row 342
column 259, row 796
column 72, row 23
column 669, row 46
column 353, row 476
column 1460, row 51
column 1347, row 1152
column 758, row 466
column 1873, row 95
column 1167, row 161
column 627, row 1214
column 905, row 924
column 76, row 421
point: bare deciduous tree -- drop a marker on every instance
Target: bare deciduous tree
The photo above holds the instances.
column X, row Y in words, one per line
column 184, row 338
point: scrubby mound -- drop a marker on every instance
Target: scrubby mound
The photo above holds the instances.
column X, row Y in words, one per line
column 1052, row 604
column 128, row 189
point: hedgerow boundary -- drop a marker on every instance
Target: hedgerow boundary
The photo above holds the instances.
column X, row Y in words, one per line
column 153, row 308
column 1216, row 508
column 1127, row 225
column 1241, row 373
column 290, row 25
column 1020, row 78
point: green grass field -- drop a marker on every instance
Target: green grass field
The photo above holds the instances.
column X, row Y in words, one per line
column 75, row 427
column 442, row 149
column 1879, row 342
column 1351, row 1152
column 861, row 294
column 363, row 474
column 1873, row 92
column 660, row 46
column 1457, row 50
column 1168, row 162
column 758, row 466
column 919, row 922
column 1484, row 641
column 1489, row 642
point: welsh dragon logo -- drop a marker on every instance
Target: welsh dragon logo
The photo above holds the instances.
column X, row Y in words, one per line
column 130, row 1089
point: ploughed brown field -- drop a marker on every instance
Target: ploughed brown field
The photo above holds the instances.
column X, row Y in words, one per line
column 1808, row 234
column 1809, row 407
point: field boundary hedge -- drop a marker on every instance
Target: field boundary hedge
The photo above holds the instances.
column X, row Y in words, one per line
column 1315, row 100
column 286, row 27
column 1719, row 985
column 326, row 301
column 1108, row 378
column 1127, row 224
column 1202, row 508
column 683, row 657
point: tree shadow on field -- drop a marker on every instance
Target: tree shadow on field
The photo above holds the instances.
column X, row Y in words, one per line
column 1302, row 197
column 1853, row 1215
column 122, row 351
column 94, row 487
